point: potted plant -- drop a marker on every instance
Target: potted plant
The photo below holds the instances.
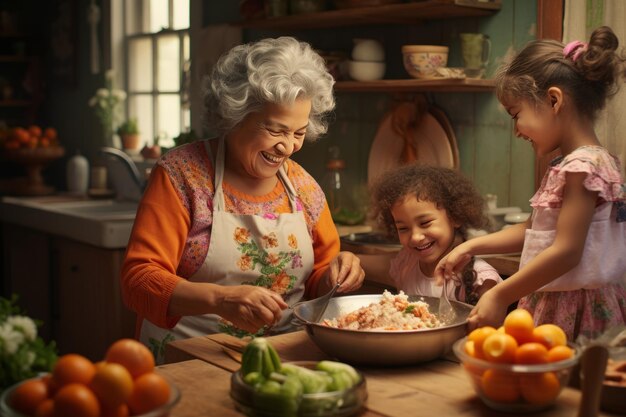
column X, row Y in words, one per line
column 129, row 133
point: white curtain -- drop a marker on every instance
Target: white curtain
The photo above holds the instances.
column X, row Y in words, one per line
column 581, row 18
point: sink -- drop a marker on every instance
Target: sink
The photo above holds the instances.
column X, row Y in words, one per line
column 102, row 223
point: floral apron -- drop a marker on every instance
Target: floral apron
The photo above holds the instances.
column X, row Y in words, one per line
column 269, row 250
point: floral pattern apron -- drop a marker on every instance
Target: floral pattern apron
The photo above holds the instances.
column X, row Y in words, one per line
column 270, row 250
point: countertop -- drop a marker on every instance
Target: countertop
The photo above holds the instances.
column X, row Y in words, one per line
column 105, row 223
column 439, row 387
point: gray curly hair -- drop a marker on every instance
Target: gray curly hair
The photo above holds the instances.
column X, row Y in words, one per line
column 274, row 70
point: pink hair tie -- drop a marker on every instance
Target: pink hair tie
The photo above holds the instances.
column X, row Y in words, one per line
column 574, row 49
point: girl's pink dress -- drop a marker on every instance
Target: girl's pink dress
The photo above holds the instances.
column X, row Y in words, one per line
column 590, row 298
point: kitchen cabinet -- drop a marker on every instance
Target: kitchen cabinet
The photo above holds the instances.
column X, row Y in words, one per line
column 402, row 13
column 20, row 64
column 72, row 287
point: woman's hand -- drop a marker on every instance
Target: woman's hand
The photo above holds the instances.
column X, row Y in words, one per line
column 489, row 311
column 453, row 263
column 346, row 269
column 249, row 307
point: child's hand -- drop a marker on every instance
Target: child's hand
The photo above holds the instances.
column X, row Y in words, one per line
column 452, row 264
column 487, row 312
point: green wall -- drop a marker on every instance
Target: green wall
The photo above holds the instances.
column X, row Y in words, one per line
column 490, row 154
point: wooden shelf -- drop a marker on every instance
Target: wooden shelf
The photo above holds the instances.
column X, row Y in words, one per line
column 402, row 13
column 465, row 85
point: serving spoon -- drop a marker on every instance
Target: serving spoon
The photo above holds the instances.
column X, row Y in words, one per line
column 318, row 305
column 447, row 313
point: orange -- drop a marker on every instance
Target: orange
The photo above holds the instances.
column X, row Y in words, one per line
column 76, row 400
column 478, row 336
column 45, row 409
column 560, row 353
column 131, row 354
column 500, row 347
column 519, row 324
column 112, row 384
column 470, row 348
column 540, row 389
column 34, row 130
column 550, row 335
column 50, row 133
column 530, row 353
column 151, row 391
column 500, row 386
column 28, row 395
column 73, row 368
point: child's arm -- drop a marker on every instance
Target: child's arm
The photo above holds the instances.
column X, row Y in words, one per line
column 563, row 255
column 508, row 240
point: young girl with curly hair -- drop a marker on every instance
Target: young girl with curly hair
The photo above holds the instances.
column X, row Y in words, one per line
column 429, row 210
column 573, row 246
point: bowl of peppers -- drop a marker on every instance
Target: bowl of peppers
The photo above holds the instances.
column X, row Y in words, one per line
column 266, row 387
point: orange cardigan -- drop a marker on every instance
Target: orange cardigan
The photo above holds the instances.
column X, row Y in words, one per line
column 160, row 237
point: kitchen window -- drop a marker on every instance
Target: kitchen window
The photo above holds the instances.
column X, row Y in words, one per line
column 156, row 67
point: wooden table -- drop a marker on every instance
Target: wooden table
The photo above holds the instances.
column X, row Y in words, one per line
column 201, row 368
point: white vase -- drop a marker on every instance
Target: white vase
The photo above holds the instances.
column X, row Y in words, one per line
column 77, row 174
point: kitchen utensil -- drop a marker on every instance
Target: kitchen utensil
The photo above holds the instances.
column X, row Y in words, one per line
column 369, row 50
column 366, row 70
column 592, row 368
column 475, row 49
column 447, row 314
column 432, row 139
column 381, row 348
column 317, row 306
column 421, row 61
column 516, row 388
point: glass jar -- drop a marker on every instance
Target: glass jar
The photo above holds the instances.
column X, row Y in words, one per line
column 340, row 192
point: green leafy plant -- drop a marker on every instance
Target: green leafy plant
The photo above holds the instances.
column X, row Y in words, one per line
column 23, row 354
column 129, row 127
column 185, row 137
column 107, row 106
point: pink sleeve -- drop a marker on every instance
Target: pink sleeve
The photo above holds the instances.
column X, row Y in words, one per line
column 485, row 272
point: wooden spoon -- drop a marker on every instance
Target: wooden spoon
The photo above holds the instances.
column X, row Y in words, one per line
column 592, row 369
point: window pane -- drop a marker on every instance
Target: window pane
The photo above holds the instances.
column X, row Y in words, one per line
column 140, row 106
column 168, row 118
column 186, row 47
column 140, row 65
column 159, row 15
column 168, row 66
column 181, row 14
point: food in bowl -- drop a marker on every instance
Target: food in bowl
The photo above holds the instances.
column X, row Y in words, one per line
column 392, row 312
column 422, row 61
column 519, row 367
column 402, row 347
column 124, row 383
column 264, row 386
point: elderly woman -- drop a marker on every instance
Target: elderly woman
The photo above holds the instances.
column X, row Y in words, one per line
column 231, row 231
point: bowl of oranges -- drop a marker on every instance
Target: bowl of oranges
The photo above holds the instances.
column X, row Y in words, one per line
column 123, row 384
column 519, row 367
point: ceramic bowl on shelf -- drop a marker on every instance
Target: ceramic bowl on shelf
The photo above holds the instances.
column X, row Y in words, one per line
column 366, row 71
column 422, row 61
column 516, row 388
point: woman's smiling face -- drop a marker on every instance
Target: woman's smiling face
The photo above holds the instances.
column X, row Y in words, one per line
column 265, row 139
column 424, row 228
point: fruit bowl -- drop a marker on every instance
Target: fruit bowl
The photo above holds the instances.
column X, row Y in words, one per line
column 347, row 402
column 163, row 411
column 515, row 387
column 34, row 161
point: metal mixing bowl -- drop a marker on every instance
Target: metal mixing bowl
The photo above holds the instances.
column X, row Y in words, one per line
column 382, row 348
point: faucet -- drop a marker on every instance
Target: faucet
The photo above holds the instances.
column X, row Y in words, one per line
column 127, row 181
